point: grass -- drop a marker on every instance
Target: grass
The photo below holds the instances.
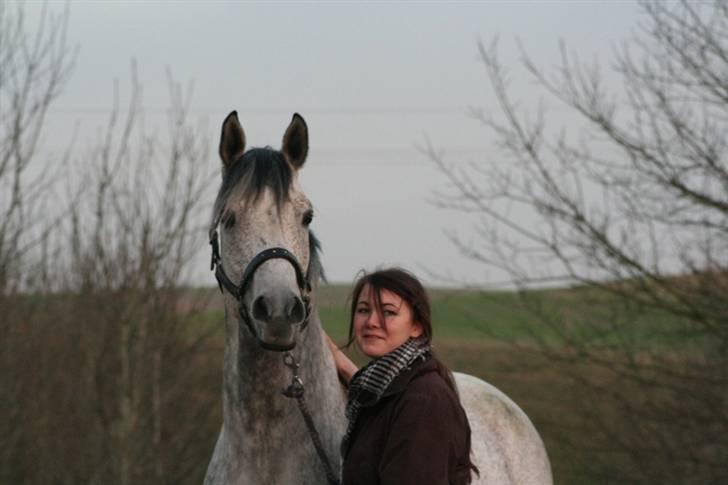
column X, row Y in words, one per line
column 457, row 314
column 545, row 316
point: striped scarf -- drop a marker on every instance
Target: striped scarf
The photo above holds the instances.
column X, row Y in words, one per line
column 370, row 382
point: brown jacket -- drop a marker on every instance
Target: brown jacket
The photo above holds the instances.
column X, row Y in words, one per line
column 416, row 434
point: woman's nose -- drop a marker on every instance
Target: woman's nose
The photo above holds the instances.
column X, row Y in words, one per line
column 373, row 320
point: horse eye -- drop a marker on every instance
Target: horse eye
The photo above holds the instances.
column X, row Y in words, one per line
column 307, row 217
column 228, row 220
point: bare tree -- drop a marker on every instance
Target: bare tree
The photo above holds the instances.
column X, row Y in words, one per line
column 633, row 213
column 133, row 228
column 107, row 376
column 103, row 369
column 33, row 71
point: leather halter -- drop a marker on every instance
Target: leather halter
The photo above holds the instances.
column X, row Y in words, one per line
column 238, row 291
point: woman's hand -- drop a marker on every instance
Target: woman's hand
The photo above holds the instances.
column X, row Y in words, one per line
column 344, row 365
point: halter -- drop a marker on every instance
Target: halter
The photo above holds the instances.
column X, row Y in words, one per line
column 223, row 281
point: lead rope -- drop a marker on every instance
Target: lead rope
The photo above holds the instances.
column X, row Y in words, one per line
column 295, row 390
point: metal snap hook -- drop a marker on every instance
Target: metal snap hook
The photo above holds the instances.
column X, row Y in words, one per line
column 290, row 362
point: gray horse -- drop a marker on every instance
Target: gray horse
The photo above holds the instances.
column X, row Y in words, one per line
column 266, row 261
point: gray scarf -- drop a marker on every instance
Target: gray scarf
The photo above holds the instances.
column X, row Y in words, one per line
column 370, row 382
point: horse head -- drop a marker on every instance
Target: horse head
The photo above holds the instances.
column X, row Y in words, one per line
column 266, row 255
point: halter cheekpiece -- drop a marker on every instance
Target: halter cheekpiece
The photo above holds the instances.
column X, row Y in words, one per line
column 223, row 281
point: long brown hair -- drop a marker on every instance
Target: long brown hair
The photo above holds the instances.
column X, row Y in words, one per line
column 405, row 285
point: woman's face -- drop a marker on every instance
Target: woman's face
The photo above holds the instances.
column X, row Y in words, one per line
column 376, row 337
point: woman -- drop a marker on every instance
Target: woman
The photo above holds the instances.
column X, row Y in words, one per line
column 406, row 424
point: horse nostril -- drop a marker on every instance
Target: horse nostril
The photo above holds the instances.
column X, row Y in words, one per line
column 261, row 310
column 296, row 312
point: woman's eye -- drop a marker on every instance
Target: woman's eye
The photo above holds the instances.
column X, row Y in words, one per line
column 389, row 313
column 308, row 218
column 362, row 310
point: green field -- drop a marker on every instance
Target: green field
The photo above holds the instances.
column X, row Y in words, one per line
column 545, row 316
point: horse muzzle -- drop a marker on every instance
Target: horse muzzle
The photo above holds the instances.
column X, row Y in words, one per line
column 275, row 319
column 276, row 315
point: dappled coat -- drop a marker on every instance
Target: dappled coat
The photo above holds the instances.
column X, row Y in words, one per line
column 417, row 433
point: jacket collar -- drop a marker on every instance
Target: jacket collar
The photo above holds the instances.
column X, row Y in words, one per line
column 419, row 368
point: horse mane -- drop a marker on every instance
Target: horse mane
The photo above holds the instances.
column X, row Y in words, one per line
column 316, row 272
column 256, row 170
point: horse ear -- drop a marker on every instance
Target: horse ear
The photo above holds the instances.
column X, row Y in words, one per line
column 232, row 140
column 295, row 141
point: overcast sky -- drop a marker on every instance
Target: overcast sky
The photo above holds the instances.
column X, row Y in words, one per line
column 371, row 79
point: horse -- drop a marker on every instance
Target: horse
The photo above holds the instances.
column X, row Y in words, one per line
column 274, row 340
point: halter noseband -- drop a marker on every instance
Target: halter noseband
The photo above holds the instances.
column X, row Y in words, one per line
column 304, row 285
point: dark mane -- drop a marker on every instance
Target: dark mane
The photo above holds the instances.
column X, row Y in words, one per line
column 257, row 169
column 315, row 268
column 249, row 176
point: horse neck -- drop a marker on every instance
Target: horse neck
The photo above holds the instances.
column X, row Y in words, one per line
column 254, row 406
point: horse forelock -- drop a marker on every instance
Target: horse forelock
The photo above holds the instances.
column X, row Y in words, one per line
column 247, row 178
column 252, row 173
